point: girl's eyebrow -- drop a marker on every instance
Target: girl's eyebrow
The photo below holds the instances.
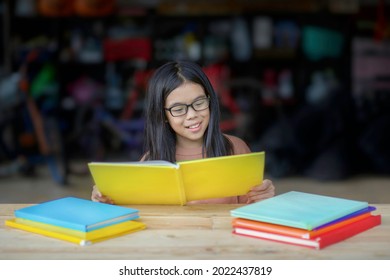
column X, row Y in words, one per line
column 181, row 103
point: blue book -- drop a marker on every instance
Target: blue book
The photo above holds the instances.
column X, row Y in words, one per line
column 299, row 209
column 76, row 213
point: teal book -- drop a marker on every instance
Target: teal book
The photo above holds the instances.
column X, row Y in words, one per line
column 299, row 209
column 76, row 213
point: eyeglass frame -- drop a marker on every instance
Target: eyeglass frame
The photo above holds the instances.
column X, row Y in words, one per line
column 189, row 105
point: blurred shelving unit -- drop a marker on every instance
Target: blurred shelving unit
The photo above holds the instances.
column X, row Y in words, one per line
column 269, row 57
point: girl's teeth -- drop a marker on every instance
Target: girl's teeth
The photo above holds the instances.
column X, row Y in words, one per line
column 194, row 126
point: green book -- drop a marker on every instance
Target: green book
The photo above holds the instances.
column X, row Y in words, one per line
column 299, row 209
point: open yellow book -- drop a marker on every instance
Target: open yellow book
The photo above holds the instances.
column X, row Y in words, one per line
column 162, row 182
column 76, row 236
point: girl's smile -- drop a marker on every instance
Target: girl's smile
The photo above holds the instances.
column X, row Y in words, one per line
column 194, row 127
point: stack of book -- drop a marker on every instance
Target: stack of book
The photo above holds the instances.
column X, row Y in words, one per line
column 305, row 219
column 77, row 220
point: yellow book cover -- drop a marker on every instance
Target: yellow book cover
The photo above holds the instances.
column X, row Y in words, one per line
column 162, row 182
column 76, row 236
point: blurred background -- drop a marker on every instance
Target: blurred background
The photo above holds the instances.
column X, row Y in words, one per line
column 306, row 81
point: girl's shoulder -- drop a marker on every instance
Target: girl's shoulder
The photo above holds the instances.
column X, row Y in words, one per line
column 239, row 145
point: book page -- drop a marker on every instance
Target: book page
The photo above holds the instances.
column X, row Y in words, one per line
column 149, row 182
column 222, row 176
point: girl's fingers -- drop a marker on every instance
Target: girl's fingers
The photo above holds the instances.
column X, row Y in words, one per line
column 263, row 191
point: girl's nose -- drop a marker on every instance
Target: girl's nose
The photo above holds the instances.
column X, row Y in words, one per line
column 191, row 112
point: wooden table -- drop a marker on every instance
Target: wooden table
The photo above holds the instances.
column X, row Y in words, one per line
column 201, row 232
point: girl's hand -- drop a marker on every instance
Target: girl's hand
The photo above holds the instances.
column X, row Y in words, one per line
column 98, row 197
column 260, row 192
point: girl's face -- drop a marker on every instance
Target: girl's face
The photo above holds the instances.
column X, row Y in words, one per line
column 190, row 127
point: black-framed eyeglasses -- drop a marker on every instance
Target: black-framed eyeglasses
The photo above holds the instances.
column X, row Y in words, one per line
column 182, row 109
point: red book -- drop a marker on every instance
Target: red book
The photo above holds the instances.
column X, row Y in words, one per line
column 318, row 242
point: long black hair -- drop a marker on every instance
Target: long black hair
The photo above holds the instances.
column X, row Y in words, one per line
column 160, row 139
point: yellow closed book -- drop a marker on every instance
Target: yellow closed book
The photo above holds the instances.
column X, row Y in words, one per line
column 76, row 236
column 162, row 182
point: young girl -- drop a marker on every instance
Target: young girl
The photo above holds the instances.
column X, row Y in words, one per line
column 182, row 123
